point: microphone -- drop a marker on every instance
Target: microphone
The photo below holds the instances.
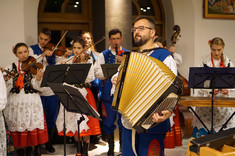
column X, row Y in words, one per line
column 116, row 48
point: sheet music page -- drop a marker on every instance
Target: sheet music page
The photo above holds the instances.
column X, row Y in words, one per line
column 83, row 92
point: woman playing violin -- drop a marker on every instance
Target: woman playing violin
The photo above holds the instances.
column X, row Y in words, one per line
column 90, row 126
column 44, row 51
column 24, row 113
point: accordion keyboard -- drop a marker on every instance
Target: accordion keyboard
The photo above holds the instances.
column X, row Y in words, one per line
column 169, row 102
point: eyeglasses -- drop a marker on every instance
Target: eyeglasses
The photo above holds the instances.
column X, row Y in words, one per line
column 140, row 28
column 118, row 38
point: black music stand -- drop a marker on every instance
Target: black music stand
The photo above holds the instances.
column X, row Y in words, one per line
column 69, row 73
column 211, row 78
column 73, row 101
column 109, row 69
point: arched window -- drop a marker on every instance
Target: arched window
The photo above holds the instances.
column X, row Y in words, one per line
column 152, row 8
column 62, row 15
column 76, row 16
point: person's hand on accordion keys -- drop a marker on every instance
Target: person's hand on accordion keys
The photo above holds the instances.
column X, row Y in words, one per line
column 165, row 114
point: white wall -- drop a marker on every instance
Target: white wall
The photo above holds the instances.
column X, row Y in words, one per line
column 206, row 29
column 19, row 24
column 196, row 31
column 183, row 11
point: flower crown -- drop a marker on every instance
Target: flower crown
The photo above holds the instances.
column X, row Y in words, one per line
column 209, row 42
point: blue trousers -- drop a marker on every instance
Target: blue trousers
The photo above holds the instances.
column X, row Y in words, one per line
column 51, row 109
column 145, row 143
column 108, row 123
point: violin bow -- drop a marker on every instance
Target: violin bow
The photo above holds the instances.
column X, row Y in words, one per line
column 56, row 44
column 29, row 64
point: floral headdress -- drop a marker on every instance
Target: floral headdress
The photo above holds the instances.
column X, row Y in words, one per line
column 209, row 42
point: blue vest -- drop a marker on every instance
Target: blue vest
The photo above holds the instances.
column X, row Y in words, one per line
column 165, row 126
column 38, row 51
column 107, row 84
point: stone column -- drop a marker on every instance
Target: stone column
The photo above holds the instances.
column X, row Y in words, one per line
column 118, row 14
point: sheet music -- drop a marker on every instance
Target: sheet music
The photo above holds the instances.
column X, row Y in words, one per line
column 83, row 92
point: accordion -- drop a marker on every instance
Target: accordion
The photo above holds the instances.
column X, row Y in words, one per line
column 145, row 86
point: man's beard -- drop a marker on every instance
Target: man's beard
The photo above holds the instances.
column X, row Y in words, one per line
column 140, row 42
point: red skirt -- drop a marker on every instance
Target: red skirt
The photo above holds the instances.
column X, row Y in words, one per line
column 30, row 138
column 93, row 124
column 173, row 138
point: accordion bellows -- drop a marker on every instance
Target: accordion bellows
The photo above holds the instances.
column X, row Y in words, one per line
column 145, row 86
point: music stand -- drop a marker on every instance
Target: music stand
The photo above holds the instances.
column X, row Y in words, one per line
column 69, row 73
column 211, row 78
column 109, row 69
column 73, row 100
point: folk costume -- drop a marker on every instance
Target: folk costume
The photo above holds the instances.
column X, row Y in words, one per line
column 152, row 142
column 24, row 112
column 89, row 126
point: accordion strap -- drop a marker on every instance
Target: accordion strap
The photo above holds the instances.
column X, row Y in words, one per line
column 133, row 132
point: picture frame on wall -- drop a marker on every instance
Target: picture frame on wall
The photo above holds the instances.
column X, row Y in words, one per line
column 219, row 9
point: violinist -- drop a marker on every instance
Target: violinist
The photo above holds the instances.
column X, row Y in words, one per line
column 88, row 38
column 90, row 126
column 43, row 48
column 109, row 56
column 49, row 100
column 24, row 112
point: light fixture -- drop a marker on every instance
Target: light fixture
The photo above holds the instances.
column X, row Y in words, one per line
column 75, row 6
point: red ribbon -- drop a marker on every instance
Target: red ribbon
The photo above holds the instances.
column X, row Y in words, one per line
column 221, row 64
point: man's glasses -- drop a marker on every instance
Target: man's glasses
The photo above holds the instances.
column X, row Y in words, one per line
column 140, row 28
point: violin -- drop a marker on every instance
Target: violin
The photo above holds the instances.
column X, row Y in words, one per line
column 82, row 58
column 10, row 74
column 84, row 53
column 59, row 51
column 31, row 66
column 53, row 47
